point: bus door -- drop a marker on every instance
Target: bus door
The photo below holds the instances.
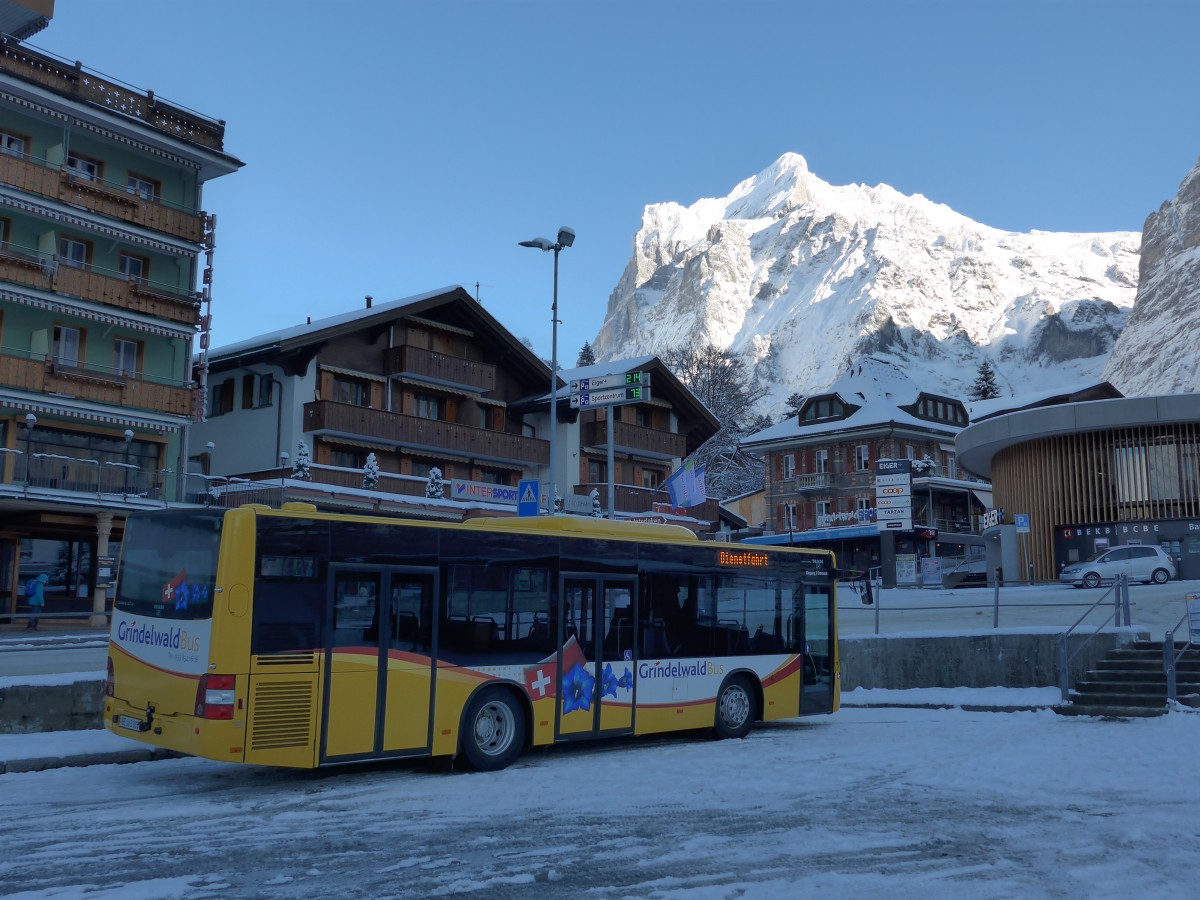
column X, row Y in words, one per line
column 378, row 677
column 596, row 656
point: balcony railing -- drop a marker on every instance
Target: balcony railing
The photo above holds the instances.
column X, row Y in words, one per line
column 79, row 83
column 413, row 432
column 48, row 273
column 439, row 367
column 636, row 439
column 630, row 498
column 106, row 198
column 41, row 375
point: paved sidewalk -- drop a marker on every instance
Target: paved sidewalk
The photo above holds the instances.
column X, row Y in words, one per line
column 57, row 749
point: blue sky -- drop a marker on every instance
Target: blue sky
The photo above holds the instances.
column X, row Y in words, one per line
column 396, row 147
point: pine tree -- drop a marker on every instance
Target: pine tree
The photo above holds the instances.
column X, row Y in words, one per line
column 985, row 387
column 300, row 467
column 434, row 487
column 793, row 404
column 371, row 472
column 587, row 357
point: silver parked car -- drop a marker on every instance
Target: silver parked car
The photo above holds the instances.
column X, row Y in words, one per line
column 1140, row 562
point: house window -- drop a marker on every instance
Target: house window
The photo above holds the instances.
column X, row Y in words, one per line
column 422, row 469
column 651, row 478
column 863, row 504
column 5, row 229
column 347, row 459
column 141, row 187
column 256, row 391
column 789, row 465
column 821, row 459
column 597, row 472
column 222, row 398
column 789, row 516
column 644, row 417
column 12, row 144
column 135, row 268
column 125, row 356
column 68, row 342
column 491, row 476
column 428, row 407
column 348, row 390
column 82, row 167
column 73, row 253
column 822, row 510
column 862, row 457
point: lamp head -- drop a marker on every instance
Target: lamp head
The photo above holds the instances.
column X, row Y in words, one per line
column 210, row 446
column 128, row 435
column 30, row 419
column 539, row 243
column 284, row 457
column 566, row 236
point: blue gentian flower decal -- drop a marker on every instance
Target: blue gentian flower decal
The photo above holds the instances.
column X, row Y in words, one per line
column 578, row 687
column 626, row 681
column 609, row 683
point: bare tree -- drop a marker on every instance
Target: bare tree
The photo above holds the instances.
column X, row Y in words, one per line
column 720, row 380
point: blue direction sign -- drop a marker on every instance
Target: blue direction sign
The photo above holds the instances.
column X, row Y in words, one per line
column 527, row 498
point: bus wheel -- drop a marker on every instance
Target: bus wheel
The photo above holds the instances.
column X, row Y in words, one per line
column 735, row 709
column 494, row 732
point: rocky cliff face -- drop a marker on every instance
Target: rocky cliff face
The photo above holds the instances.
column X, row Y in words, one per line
column 802, row 278
column 1157, row 352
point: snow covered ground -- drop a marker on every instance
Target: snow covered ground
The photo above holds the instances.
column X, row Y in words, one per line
column 874, row 800
column 865, row 803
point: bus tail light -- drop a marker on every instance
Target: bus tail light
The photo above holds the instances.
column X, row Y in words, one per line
column 110, row 681
column 215, row 696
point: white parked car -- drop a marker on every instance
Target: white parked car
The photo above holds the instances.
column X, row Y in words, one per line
column 1140, row 562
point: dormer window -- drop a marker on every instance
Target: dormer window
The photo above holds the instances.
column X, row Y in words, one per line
column 823, row 408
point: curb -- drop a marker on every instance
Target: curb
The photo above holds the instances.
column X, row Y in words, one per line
column 111, row 757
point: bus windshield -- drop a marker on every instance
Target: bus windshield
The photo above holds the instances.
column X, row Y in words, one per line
column 169, row 565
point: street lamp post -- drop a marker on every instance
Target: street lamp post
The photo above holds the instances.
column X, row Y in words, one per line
column 128, row 443
column 30, row 421
column 566, row 237
column 283, row 464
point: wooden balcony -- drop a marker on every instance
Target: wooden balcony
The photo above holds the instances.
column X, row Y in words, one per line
column 99, row 386
column 87, row 284
column 413, row 432
column 636, row 439
column 76, row 83
column 36, row 177
column 438, row 366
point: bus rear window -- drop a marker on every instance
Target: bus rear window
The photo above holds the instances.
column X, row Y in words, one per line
column 169, row 565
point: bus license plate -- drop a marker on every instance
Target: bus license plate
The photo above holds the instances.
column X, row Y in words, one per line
column 129, row 722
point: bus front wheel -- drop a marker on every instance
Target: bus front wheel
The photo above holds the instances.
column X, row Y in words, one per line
column 735, row 709
column 494, row 731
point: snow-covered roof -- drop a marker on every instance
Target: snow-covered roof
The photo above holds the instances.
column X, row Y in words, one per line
column 298, row 331
column 877, row 388
column 985, row 409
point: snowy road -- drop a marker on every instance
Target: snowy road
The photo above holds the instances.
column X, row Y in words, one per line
column 907, row 803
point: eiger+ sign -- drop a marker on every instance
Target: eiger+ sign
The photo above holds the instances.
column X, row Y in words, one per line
column 607, row 382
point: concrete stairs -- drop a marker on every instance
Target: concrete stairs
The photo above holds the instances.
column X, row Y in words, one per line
column 1130, row 682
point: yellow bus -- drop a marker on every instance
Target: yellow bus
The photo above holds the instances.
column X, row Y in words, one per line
column 294, row 637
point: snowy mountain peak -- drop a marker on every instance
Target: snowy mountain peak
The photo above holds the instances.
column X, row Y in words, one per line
column 803, row 278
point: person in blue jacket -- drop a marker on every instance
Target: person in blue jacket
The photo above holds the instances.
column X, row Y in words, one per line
column 36, row 600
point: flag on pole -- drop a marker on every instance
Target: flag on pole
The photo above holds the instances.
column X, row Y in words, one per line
column 686, row 486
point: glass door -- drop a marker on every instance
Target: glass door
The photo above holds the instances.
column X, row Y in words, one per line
column 596, row 656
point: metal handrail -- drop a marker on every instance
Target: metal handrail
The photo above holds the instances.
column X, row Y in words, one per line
column 1120, row 589
column 1171, row 658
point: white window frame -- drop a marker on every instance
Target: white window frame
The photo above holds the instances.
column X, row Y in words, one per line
column 12, row 145
column 789, row 465
column 125, row 356
column 67, row 342
column 67, row 250
column 862, row 457
column 821, row 462
column 141, row 187
column 132, row 267
column 82, row 167
column 822, row 508
column 790, row 516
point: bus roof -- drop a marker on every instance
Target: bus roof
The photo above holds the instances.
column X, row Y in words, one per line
column 585, row 526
